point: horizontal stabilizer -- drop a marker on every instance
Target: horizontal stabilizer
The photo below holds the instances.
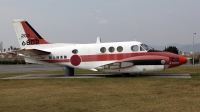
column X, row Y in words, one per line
column 33, row 52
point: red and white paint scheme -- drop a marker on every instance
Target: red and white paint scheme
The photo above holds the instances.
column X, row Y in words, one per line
column 113, row 57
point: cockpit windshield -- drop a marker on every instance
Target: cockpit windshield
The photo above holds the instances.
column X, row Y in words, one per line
column 147, row 48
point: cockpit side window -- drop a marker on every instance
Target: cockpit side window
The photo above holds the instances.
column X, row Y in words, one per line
column 141, row 49
column 147, row 48
column 134, row 48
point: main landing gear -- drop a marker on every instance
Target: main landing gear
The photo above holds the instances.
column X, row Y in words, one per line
column 69, row 71
column 128, row 74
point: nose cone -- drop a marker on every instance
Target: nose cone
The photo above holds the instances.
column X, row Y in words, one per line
column 182, row 60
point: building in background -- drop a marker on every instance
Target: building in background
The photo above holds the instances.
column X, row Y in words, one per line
column 9, row 55
column 1, row 47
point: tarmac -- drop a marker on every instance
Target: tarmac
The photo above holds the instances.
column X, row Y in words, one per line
column 4, row 69
column 47, row 76
column 36, row 68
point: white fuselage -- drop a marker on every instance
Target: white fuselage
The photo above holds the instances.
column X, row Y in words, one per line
column 93, row 49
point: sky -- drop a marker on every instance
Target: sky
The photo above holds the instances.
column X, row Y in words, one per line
column 153, row 22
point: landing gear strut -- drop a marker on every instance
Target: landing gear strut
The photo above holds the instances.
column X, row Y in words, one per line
column 69, row 71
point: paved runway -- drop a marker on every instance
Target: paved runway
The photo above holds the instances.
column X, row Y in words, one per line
column 27, row 68
column 36, row 68
column 47, row 76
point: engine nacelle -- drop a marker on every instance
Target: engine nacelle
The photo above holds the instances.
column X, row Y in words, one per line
column 136, row 69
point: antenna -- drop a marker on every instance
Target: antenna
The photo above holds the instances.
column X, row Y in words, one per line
column 134, row 38
column 98, row 40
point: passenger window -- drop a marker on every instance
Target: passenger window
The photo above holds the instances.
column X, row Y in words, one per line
column 50, row 57
column 75, row 51
column 134, row 48
column 65, row 57
column 103, row 50
column 119, row 48
column 57, row 57
column 53, row 57
column 61, row 57
column 111, row 49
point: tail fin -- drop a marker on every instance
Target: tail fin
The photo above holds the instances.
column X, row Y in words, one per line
column 26, row 35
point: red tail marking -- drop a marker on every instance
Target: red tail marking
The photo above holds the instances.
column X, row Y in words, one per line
column 32, row 35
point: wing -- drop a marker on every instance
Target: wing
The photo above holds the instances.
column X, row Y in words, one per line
column 147, row 60
column 137, row 60
column 33, row 52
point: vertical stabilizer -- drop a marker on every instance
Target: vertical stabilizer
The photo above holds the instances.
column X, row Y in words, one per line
column 26, row 35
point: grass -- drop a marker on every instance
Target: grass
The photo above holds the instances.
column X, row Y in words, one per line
column 104, row 94
column 49, row 72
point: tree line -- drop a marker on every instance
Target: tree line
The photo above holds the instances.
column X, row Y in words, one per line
column 175, row 50
column 11, row 62
column 11, row 48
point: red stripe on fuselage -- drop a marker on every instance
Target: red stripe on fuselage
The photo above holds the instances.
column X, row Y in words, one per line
column 120, row 56
column 56, row 60
column 112, row 57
